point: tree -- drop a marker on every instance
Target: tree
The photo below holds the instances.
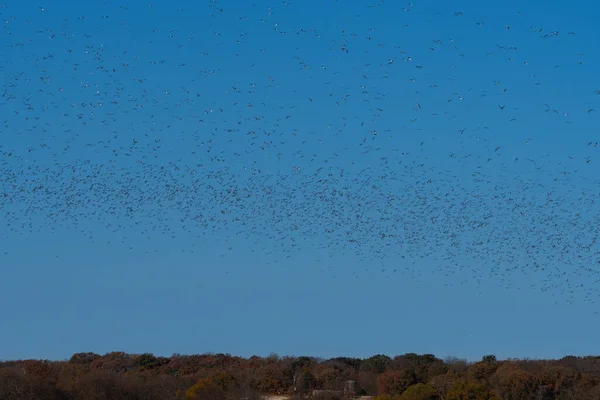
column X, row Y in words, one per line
column 483, row 370
column 99, row 384
column 41, row 369
column 395, row 382
column 306, row 382
column 469, row 390
column 490, row 358
column 367, row 380
column 14, row 385
column 299, row 369
column 117, row 361
column 443, row 383
column 146, row 360
column 84, row 358
column 420, row 391
column 205, row 389
column 457, row 364
column 377, row 363
column 271, row 379
column 89, row 376
column 225, row 380
column 513, row 383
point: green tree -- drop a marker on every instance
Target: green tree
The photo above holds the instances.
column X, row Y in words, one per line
column 306, row 382
column 490, row 358
column 377, row 363
column 420, row 391
column 205, row 389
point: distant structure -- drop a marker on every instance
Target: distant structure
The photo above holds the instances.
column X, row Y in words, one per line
column 350, row 388
column 349, row 391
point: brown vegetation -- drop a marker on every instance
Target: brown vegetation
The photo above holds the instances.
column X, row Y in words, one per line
column 118, row 375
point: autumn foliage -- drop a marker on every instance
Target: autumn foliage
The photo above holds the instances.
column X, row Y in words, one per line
column 118, row 375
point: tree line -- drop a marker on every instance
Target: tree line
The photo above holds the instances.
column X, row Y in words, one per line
column 118, row 375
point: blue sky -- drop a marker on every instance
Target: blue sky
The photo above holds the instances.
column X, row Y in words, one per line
column 339, row 122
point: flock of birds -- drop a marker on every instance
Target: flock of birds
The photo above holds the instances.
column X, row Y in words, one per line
column 385, row 140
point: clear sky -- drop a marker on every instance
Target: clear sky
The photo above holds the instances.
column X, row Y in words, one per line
column 309, row 177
